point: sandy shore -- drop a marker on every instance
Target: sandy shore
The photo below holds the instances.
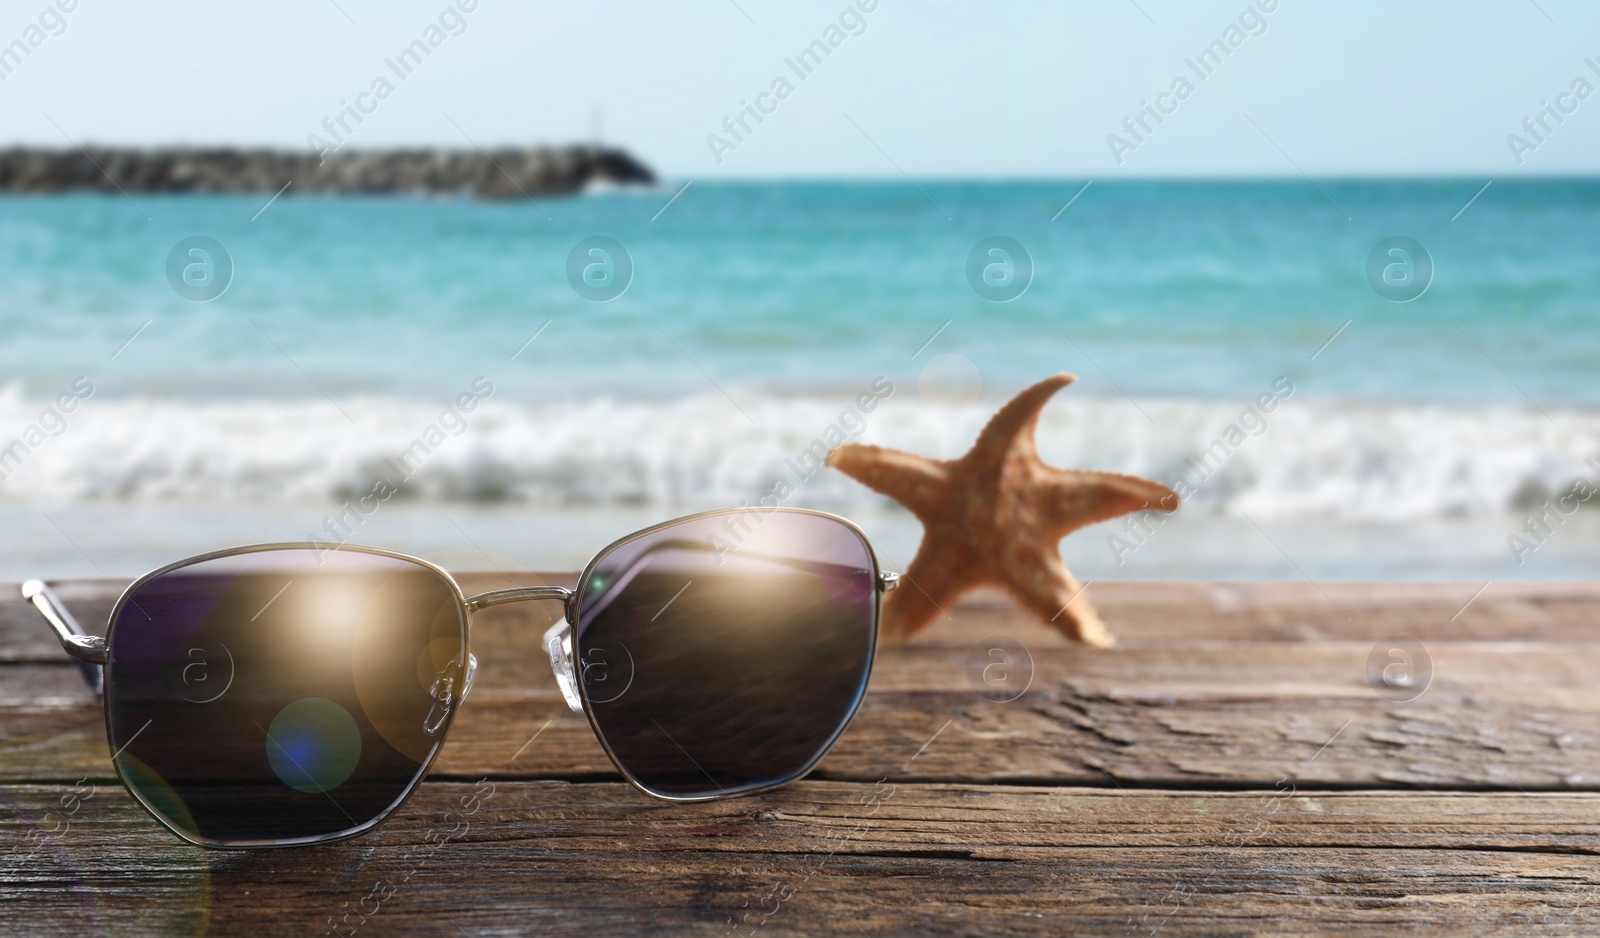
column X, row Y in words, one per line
column 79, row 540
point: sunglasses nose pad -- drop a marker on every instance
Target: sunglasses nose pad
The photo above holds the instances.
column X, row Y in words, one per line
column 444, row 699
column 558, row 642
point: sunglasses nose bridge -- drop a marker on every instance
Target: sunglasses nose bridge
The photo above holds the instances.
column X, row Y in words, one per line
column 521, row 594
column 557, row 641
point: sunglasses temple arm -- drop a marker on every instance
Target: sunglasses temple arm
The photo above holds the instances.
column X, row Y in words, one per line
column 89, row 650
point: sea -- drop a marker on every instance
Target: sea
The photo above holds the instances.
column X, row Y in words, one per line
column 1377, row 379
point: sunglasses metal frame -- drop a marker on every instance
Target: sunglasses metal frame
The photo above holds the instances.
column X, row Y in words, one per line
column 91, row 653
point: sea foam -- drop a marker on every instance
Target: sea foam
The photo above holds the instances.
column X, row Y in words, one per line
column 1314, row 457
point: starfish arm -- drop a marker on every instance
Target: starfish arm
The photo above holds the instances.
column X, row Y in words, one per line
column 1009, row 433
column 928, row 590
column 917, row 482
column 1044, row 586
column 1070, row 499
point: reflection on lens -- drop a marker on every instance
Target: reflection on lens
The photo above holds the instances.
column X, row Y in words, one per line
column 726, row 653
column 278, row 695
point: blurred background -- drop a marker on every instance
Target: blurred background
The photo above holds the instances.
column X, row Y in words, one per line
column 1381, row 217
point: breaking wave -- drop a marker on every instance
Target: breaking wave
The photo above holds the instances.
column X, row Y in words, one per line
column 1349, row 459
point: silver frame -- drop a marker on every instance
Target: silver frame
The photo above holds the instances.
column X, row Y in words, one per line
column 92, row 654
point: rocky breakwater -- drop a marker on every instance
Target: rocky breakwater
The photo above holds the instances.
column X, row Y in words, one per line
column 505, row 173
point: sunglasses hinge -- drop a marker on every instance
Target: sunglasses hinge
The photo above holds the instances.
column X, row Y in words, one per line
column 89, row 650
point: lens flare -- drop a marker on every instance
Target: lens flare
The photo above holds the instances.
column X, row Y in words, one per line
column 273, row 695
column 313, row 745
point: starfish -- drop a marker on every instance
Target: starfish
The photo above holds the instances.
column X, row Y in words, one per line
column 996, row 517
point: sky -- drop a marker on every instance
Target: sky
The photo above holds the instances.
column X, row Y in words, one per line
column 925, row 88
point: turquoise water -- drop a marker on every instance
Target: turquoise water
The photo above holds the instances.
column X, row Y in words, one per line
column 1174, row 289
column 1412, row 444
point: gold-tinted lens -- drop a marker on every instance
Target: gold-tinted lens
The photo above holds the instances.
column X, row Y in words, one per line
column 282, row 695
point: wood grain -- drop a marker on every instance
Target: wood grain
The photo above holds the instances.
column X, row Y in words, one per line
column 557, row 858
column 1226, row 770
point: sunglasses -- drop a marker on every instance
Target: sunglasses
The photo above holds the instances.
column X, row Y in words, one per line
column 291, row 694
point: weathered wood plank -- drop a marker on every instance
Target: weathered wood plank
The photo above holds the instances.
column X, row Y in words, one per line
column 826, row 857
column 1244, row 714
column 1139, row 613
column 1498, row 716
column 1197, row 778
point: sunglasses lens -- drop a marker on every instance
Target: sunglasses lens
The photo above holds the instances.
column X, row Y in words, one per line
column 726, row 654
column 282, row 695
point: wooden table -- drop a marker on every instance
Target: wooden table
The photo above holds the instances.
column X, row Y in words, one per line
column 1226, row 770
